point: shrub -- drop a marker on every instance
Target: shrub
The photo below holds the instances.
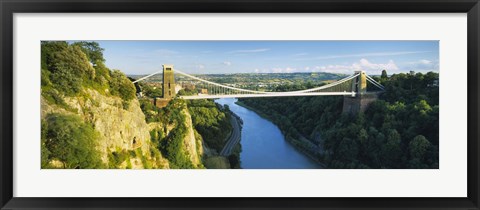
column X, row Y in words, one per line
column 93, row 51
column 121, row 86
column 71, row 141
column 54, row 97
column 211, row 122
column 68, row 66
column 172, row 148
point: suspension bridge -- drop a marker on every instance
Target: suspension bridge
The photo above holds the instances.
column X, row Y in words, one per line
column 352, row 85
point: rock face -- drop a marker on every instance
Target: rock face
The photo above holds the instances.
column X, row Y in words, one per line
column 122, row 125
column 123, row 128
column 193, row 147
column 192, row 144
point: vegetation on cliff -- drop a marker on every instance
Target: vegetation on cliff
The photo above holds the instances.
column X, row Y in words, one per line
column 70, row 142
column 67, row 70
column 169, row 138
column 83, row 103
column 211, row 121
column 400, row 130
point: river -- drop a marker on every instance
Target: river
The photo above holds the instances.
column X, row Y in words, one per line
column 263, row 144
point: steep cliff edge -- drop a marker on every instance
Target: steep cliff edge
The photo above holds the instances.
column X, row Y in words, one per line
column 121, row 130
column 193, row 146
column 92, row 118
column 175, row 135
column 90, row 115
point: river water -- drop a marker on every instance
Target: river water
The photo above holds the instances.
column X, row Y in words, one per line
column 263, row 144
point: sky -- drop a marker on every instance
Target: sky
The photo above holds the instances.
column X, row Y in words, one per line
column 212, row 57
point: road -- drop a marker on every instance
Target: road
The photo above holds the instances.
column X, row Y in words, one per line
column 234, row 138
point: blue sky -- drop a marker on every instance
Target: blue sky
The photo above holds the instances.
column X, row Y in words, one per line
column 206, row 57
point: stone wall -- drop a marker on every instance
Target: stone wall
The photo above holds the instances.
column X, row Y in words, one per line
column 161, row 102
column 359, row 103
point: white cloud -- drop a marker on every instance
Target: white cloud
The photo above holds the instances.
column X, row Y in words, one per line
column 426, row 62
column 227, row 63
column 363, row 55
column 299, row 54
column 362, row 65
column 290, row 70
column 200, row 66
column 276, row 70
column 250, row 51
column 366, row 65
column 423, row 65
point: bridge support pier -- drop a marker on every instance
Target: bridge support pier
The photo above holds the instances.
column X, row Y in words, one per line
column 361, row 100
column 359, row 103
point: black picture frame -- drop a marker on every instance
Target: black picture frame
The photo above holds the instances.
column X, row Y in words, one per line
column 10, row 7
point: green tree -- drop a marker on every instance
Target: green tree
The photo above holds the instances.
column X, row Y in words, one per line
column 152, row 92
column 234, row 161
column 418, row 146
column 391, row 150
column 121, row 86
column 71, row 141
column 380, row 137
column 172, row 148
column 93, row 51
column 67, row 65
column 384, row 74
column 212, row 123
column 65, row 80
column 45, row 153
column 48, row 50
column 102, row 75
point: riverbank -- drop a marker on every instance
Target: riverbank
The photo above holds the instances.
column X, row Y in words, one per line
column 234, row 137
column 232, row 148
column 263, row 146
column 298, row 144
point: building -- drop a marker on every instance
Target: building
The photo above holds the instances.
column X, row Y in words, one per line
column 168, row 82
column 188, row 86
column 203, row 91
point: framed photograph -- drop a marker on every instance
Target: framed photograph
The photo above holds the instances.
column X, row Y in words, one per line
column 239, row 104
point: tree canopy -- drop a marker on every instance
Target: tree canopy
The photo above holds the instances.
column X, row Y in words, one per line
column 400, row 130
column 66, row 138
column 67, row 69
column 93, row 51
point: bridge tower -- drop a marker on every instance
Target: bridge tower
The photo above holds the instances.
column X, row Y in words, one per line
column 360, row 101
column 359, row 84
column 168, row 82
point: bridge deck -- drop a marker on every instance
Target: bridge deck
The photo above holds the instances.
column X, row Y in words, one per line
column 269, row 95
column 342, row 87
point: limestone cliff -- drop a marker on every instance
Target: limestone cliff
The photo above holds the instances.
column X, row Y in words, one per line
column 192, row 145
column 121, row 124
column 91, row 117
